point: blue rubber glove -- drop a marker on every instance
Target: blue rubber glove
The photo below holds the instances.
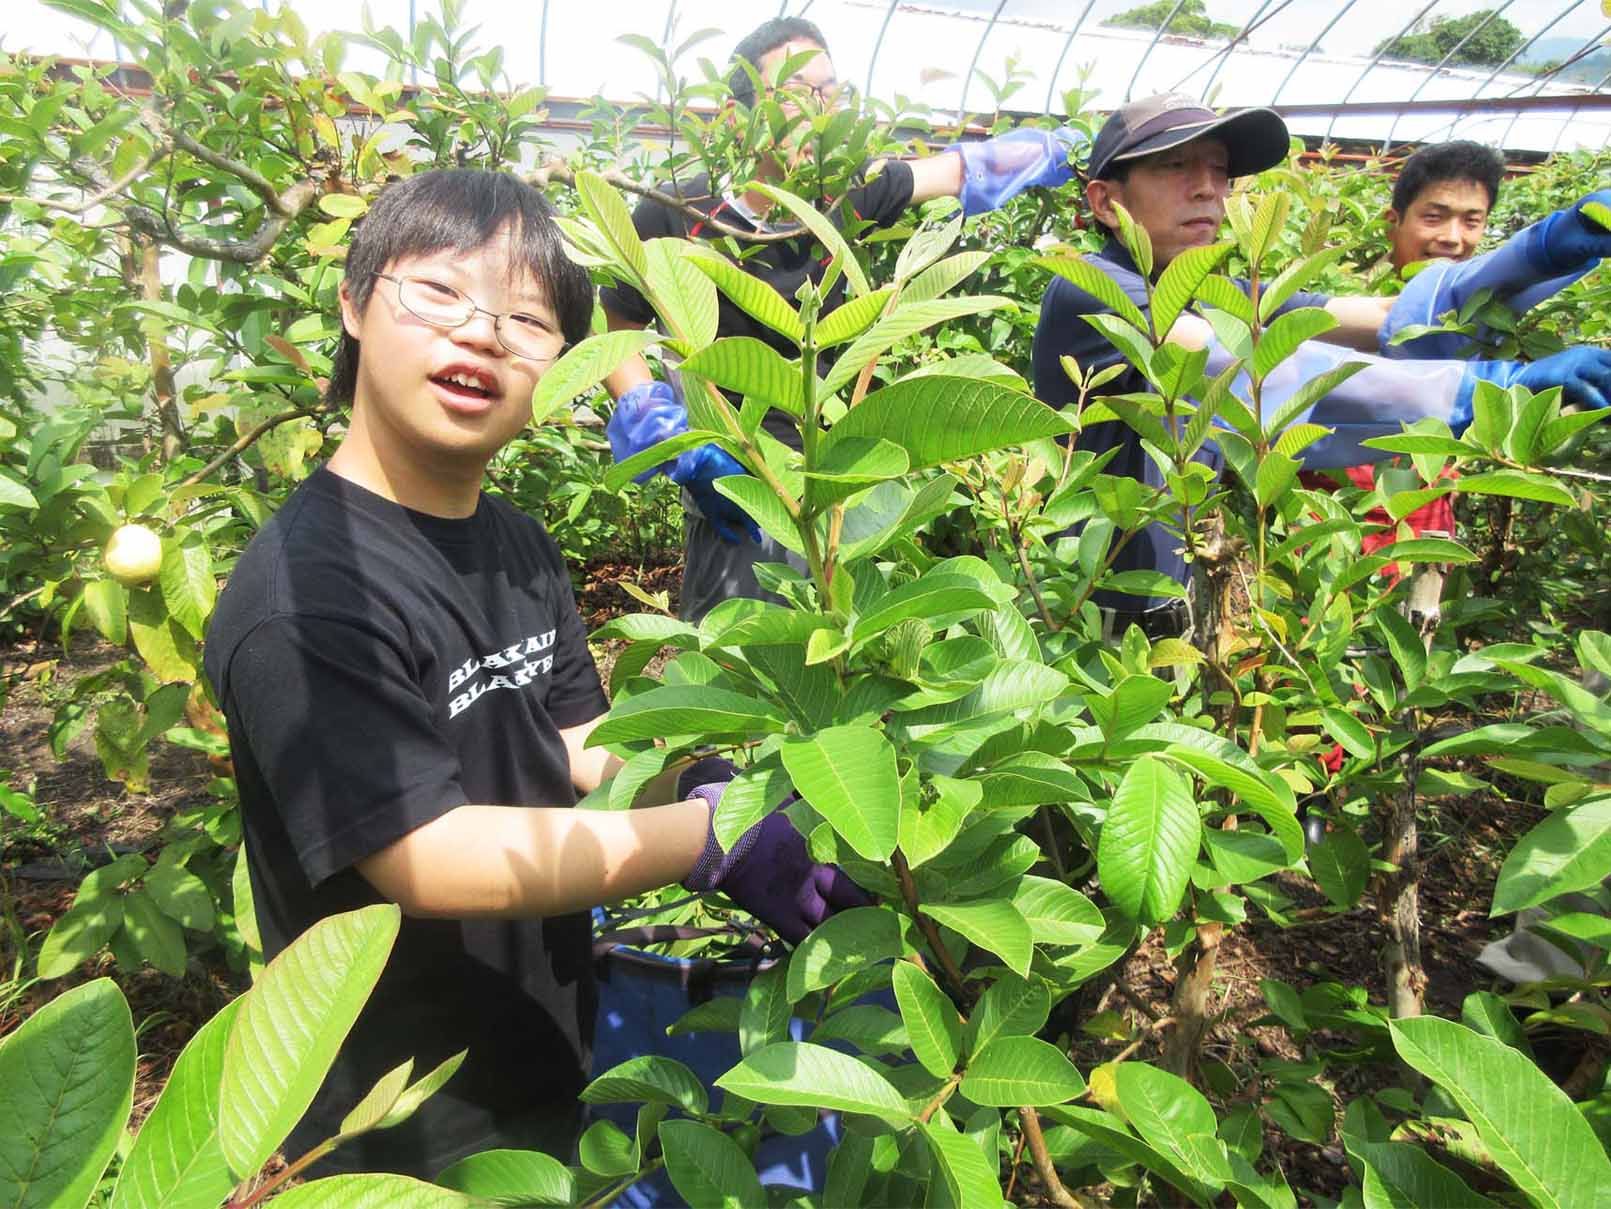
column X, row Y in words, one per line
column 1532, row 265
column 643, row 417
column 998, row 169
column 1570, row 240
column 1584, row 374
column 698, row 470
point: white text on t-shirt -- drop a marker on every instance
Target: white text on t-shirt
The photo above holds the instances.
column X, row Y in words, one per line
column 517, row 666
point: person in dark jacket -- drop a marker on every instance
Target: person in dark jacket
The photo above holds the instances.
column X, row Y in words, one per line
column 1169, row 162
column 723, row 544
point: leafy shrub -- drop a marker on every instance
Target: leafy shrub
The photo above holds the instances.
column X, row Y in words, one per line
column 1028, row 796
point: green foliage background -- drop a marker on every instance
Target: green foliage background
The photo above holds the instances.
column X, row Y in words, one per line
column 1029, row 796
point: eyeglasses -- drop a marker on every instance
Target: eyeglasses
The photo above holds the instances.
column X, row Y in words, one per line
column 441, row 305
column 827, row 96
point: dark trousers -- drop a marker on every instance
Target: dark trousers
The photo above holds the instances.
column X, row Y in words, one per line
column 716, row 569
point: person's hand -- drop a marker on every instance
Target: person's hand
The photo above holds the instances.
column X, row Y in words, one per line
column 1583, row 374
column 997, row 169
column 643, row 417
column 698, row 469
column 769, row 871
column 1571, row 239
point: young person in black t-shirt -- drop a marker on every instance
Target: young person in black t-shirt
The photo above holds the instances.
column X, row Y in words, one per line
column 409, row 695
column 723, row 544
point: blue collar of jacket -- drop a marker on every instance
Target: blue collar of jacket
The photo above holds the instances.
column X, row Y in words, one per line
column 1115, row 251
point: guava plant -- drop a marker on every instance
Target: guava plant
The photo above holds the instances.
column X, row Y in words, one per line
column 903, row 711
column 909, row 711
column 239, row 1085
column 1027, row 797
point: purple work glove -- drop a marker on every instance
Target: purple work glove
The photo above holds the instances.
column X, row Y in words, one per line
column 769, row 871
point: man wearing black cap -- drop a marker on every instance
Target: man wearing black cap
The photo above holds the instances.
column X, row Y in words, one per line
column 1169, row 162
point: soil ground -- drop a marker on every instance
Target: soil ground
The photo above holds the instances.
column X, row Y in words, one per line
column 88, row 818
column 1463, row 842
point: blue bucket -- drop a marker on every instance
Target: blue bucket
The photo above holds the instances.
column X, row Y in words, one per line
column 641, row 994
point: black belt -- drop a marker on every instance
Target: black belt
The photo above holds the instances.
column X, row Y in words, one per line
column 1166, row 621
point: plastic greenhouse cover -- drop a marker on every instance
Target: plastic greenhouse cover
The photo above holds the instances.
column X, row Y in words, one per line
column 1315, row 59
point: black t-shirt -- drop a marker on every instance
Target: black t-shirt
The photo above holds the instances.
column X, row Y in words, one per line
column 380, row 667
column 784, row 265
column 1063, row 332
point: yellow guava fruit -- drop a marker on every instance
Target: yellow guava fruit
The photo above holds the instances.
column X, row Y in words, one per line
column 134, row 555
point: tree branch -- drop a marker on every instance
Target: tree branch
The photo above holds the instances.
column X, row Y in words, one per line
column 558, row 170
column 1146, row 1035
column 248, row 440
column 237, row 251
column 931, row 933
column 283, row 206
column 102, row 193
column 940, row 1097
column 163, row 389
column 250, row 177
column 1029, row 1120
column 1568, row 472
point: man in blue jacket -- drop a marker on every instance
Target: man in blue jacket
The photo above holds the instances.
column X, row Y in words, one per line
column 1169, row 162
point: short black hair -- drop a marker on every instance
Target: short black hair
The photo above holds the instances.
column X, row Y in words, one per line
column 769, row 35
column 1461, row 160
column 460, row 210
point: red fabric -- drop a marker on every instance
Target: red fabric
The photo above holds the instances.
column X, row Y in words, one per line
column 1332, row 761
column 1435, row 517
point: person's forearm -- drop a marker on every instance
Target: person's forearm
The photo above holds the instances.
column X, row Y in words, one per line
column 1359, row 322
column 507, row 862
column 936, row 176
column 661, row 789
column 634, row 371
column 593, row 766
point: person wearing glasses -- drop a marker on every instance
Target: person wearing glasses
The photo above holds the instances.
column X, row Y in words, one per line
column 410, row 694
column 722, row 543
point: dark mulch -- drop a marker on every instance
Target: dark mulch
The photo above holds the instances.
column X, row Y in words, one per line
column 601, row 596
column 87, row 812
column 1463, row 842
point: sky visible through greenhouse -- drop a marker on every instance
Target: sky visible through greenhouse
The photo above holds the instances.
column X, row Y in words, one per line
column 1315, row 59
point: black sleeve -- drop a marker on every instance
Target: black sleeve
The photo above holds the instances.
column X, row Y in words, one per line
column 345, row 738
column 651, row 220
column 886, row 197
column 575, row 694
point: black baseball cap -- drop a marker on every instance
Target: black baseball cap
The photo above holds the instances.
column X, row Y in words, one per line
column 1255, row 138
